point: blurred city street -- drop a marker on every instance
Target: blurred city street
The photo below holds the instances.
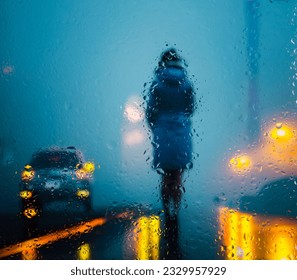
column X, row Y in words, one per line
column 148, row 130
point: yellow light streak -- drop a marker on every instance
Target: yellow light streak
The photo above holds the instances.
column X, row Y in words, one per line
column 143, row 237
column 248, row 237
column 282, row 242
column 38, row 242
column 148, row 241
column 30, row 254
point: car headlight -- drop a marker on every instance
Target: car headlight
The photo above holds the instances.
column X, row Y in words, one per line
column 89, row 166
column 28, row 173
column 86, row 171
column 240, row 163
column 26, row 194
column 83, row 193
column 30, row 212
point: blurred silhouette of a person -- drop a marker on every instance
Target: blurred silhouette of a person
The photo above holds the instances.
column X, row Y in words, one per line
column 170, row 105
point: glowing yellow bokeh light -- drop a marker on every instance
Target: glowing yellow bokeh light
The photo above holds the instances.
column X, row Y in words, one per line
column 86, row 171
column 83, row 193
column 25, row 194
column 281, row 133
column 89, row 166
column 30, row 212
column 28, row 174
column 82, row 174
column 240, row 163
column 84, row 252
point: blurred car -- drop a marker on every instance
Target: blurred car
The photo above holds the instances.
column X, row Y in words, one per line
column 257, row 220
column 261, row 226
column 56, row 179
column 275, row 198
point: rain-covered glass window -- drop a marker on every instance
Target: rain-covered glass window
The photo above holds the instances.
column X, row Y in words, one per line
column 137, row 130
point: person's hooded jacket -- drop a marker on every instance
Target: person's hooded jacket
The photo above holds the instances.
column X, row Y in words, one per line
column 171, row 103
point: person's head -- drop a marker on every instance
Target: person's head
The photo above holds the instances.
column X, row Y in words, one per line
column 171, row 57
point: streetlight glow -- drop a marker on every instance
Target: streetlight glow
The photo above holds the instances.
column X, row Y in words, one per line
column 241, row 163
column 281, row 133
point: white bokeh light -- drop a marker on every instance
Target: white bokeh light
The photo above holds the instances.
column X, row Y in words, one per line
column 133, row 137
column 133, row 111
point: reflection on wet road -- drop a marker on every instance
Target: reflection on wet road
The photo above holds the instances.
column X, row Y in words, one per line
column 124, row 236
column 247, row 236
column 142, row 236
column 28, row 248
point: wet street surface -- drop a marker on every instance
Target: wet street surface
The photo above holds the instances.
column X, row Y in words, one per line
column 113, row 234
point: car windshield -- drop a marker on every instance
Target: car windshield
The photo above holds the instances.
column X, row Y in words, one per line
column 59, row 159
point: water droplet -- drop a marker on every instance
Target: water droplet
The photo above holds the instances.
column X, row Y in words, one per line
column 160, row 171
column 189, row 165
column 6, row 70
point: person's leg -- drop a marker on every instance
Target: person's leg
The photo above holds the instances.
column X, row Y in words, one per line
column 172, row 188
column 171, row 194
column 165, row 192
column 177, row 193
